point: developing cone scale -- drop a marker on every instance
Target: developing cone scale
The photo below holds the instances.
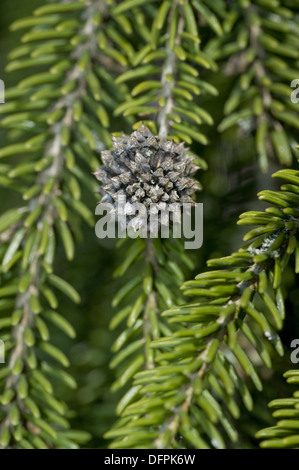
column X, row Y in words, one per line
column 143, row 168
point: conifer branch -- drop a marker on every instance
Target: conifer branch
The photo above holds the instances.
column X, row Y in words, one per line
column 284, row 434
column 30, row 411
column 263, row 61
column 201, row 365
column 94, row 68
column 165, row 97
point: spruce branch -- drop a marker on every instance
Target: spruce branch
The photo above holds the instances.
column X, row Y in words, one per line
column 169, row 70
column 163, row 102
column 172, row 62
column 263, row 61
column 284, row 434
column 190, row 397
column 93, row 67
column 144, row 169
column 70, row 128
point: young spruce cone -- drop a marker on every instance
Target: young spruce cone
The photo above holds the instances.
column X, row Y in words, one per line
column 144, row 169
